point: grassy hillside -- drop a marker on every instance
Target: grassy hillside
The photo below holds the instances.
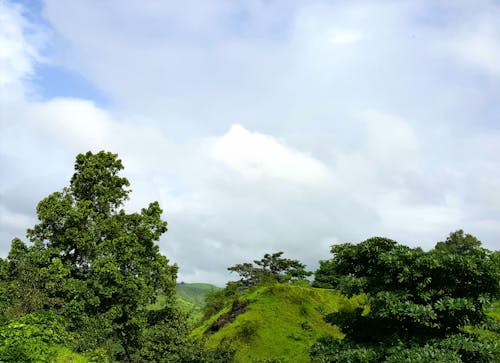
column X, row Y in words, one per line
column 194, row 293
column 280, row 322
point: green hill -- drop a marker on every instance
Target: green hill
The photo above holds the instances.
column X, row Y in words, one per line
column 278, row 322
column 191, row 298
column 194, row 293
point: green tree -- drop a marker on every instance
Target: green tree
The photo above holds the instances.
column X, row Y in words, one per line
column 459, row 242
column 95, row 264
column 271, row 268
column 416, row 297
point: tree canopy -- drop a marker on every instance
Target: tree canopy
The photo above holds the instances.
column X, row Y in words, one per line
column 424, row 299
column 458, row 242
column 271, row 268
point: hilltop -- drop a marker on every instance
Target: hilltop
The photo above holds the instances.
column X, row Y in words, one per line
column 278, row 322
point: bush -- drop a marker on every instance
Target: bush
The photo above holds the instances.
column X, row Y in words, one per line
column 421, row 303
column 330, row 350
column 424, row 354
column 32, row 338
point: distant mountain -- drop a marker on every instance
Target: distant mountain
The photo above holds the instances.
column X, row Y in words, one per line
column 278, row 322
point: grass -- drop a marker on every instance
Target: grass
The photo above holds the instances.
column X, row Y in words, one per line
column 280, row 323
column 494, row 311
column 65, row 355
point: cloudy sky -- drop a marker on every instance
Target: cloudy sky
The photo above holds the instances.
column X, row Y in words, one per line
column 259, row 126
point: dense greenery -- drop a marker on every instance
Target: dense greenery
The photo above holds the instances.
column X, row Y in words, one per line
column 90, row 285
column 420, row 302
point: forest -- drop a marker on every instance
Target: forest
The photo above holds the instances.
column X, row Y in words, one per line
column 90, row 285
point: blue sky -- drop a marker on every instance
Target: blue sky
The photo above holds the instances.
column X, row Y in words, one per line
column 50, row 78
column 52, row 81
column 260, row 126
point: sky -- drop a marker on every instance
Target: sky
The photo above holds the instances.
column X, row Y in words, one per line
column 259, row 126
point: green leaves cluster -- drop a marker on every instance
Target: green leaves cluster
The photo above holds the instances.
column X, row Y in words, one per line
column 32, row 338
column 415, row 297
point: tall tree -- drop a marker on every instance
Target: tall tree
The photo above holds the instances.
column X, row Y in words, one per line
column 90, row 260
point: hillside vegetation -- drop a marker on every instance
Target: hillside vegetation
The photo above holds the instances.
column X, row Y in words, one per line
column 280, row 322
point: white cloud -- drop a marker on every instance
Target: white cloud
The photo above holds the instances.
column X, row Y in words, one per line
column 15, row 53
column 78, row 123
column 255, row 155
column 391, row 141
column 335, row 143
column 400, row 217
column 477, row 44
column 345, row 37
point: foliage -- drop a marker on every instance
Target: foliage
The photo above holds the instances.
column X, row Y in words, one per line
column 4, row 289
column 271, row 268
column 456, row 348
column 216, row 300
column 458, row 242
column 189, row 298
column 32, row 338
column 90, row 261
column 167, row 340
column 331, row 350
column 414, row 296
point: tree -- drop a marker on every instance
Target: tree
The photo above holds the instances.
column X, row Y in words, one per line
column 271, row 268
column 95, row 264
column 458, row 242
column 418, row 300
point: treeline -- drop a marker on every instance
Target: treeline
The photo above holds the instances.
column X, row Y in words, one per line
column 86, row 286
